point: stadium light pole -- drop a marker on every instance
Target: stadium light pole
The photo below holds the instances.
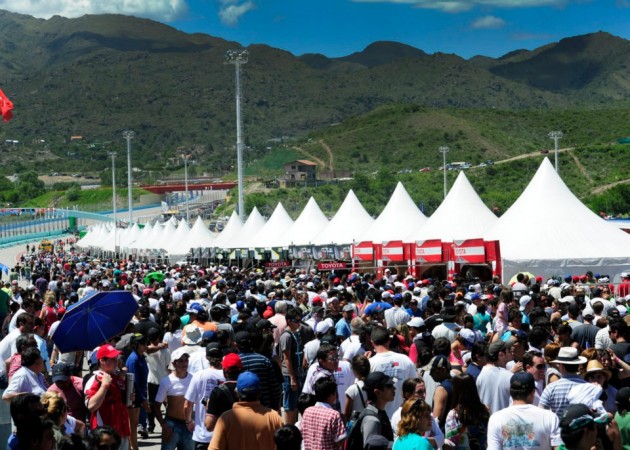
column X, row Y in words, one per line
column 238, row 57
column 185, row 157
column 113, row 155
column 128, row 134
column 444, row 150
column 556, row 136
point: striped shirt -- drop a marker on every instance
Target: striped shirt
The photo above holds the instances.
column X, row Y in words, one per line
column 554, row 397
column 270, row 387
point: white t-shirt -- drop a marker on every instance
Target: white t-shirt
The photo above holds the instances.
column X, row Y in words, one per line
column 173, row 386
column 344, row 377
column 394, row 365
column 493, row 384
column 201, row 386
column 158, row 365
column 355, row 392
column 174, row 340
column 523, row 427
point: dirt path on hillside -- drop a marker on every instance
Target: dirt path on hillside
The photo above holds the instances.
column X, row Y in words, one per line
column 600, row 189
column 533, row 154
column 319, row 161
column 331, row 165
column 580, row 167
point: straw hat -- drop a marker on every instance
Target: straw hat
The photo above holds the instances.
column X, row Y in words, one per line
column 595, row 366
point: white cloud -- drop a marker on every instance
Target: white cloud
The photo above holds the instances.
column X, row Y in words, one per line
column 161, row 10
column 230, row 11
column 455, row 6
column 488, row 22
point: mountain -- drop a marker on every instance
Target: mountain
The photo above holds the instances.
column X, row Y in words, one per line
column 97, row 75
column 592, row 67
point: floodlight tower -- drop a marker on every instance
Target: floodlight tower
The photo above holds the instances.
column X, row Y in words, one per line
column 186, row 157
column 113, row 155
column 238, row 57
column 444, row 150
column 556, row 136
column 128, row 135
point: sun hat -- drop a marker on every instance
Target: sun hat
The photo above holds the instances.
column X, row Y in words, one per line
column 569, row 355
column 594, row 366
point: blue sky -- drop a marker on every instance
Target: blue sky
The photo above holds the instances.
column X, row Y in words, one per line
column 341, row 27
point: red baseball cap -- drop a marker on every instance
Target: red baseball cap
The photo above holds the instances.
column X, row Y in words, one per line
column 107, row 351
column 232, row 361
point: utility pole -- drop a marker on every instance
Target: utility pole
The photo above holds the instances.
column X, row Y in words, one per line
column 556, row 136
column 444, row 150
column 186, row 156
column 113, row 155
column 128, row 134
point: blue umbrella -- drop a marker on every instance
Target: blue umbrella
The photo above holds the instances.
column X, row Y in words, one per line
column 94, row 320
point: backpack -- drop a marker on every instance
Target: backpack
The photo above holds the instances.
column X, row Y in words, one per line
column 355, row 438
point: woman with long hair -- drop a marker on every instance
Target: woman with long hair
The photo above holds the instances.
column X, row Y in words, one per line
column 467, row 421
column 415, row 421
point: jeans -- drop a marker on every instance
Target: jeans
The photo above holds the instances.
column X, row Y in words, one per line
column 182, row 438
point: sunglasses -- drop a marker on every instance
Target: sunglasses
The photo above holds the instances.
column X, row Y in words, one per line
column 540, row 366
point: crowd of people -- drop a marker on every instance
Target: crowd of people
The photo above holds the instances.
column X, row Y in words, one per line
column 226, row 358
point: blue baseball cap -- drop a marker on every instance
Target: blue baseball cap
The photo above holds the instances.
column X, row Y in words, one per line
column 194, row 308
column 247, row 384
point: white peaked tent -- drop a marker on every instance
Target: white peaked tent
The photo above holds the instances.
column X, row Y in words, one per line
column 130, row 235
column 271, row 233
column 462, row 215
column 573, row 241
column 91, row 236
column 166, row 236
column 399, row 219
column 198, row 237
column 253, row 225
column 146, row 241
column 348, row 224
column 175, row 247
column 309, row 224
column 142, row 236
column 232, row 229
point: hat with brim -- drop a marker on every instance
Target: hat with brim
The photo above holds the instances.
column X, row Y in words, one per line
column 569, row 355
column 594, row 366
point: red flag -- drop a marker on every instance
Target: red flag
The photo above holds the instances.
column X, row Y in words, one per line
column 6, row 106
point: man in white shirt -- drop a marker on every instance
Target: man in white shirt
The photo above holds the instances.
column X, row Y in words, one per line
column 523, row 425
column 493, row 382
column 25, row 323
column 395, row 365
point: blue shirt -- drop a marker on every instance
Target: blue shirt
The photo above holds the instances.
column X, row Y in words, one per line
column 137, row 365
column 342, row 328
